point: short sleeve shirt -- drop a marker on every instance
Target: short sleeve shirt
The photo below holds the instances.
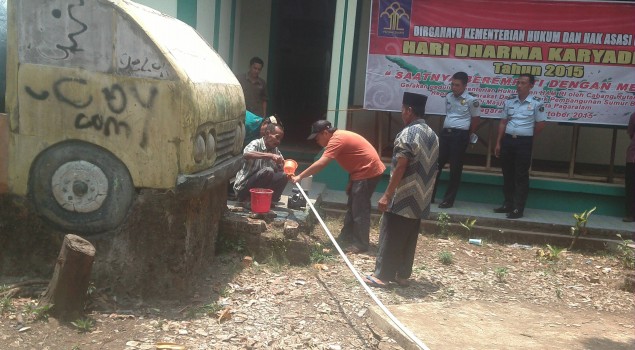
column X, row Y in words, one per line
column 522, row 116
column 460, row 110
column 355, row 154
column 255, row 93
column 418, row 143
column 252, row 166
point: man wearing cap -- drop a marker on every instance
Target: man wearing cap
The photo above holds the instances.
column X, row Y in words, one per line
column 522, row 118
column 263, row 165
column 408, row 195
column 360, row 159
column 462, row 117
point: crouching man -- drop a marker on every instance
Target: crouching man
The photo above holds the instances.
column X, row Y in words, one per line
column 263, row 166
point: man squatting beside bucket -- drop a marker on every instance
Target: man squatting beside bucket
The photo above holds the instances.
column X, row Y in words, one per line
column 263, row 165
column 360, row 159
column 408, row 195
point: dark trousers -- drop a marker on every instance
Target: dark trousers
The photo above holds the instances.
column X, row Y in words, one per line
column 515, row 155
column 357, row 220
column 629, row 188
column 452, row 146
column 265, row 178
column 397, row 246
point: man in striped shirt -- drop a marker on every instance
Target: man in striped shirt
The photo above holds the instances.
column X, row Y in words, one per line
column 408, row 195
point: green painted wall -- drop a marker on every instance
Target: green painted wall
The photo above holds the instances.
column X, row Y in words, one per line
column 186, row 11
column 548, row 194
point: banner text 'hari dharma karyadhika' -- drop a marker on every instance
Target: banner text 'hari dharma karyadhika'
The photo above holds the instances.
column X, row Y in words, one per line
column 581, row 53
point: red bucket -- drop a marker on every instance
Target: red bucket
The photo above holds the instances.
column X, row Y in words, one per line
column 260, row 200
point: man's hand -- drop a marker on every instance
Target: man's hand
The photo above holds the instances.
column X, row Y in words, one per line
column 497, row 150
column 348, row 187
column 278, row 159
column 382, row 203
column 295, row 179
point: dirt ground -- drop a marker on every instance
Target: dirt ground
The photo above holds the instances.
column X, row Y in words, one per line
column 270, row 305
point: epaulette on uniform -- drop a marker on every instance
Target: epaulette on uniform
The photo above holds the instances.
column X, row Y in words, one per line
column 472, row 94
column 537, row 98
column 512, row 96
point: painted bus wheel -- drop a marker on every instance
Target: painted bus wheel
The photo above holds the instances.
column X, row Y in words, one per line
column 81, row 187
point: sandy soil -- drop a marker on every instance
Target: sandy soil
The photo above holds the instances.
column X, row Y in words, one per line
column 270, row 305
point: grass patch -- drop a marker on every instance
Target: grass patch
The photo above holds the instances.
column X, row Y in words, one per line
column 446, row 258
column 83, row 325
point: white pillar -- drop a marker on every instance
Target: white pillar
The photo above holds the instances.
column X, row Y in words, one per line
column 341, row 61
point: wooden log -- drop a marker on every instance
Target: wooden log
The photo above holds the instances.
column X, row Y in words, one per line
column 66, row 291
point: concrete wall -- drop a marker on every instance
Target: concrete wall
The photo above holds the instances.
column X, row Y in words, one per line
column 254, row 27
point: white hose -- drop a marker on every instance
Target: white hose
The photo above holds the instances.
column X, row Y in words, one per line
column 392, row 317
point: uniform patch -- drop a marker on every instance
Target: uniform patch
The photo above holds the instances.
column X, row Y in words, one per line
column 475, row 103
column 542, row 108
column 462, row 102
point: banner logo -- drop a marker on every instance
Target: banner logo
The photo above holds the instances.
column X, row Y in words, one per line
column 394, row 18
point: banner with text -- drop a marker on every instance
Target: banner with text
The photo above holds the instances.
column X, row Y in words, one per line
column 582, row 54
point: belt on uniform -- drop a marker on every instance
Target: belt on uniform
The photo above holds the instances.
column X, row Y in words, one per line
column 518, row 136
column 451, row 130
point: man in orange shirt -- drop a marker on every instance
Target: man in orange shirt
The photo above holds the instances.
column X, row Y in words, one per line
column 360, row 159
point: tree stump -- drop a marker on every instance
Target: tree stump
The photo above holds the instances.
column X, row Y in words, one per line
column 66, row 292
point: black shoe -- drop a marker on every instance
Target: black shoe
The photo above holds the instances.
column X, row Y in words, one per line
column 445, row 204
column 515, row 214
column 504, row 209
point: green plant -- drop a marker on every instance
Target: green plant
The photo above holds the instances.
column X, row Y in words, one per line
column 501, row 273
column 446, row 258
column 625, row 253
column 39, row 312
column 231, row 244
column 552, row 253
column 468, row 224
column 83, row 325
column 211, row 309
column 91, row 289
column 420, row 268
column 580, row 225
column 225, row 292
column 443, row 223
column 6, row 305
column 319, row 254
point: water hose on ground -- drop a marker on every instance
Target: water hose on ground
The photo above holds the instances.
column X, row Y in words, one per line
column 383, row 308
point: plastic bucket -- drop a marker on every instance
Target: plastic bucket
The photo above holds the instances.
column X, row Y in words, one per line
column 289, row 166
column 260, row 200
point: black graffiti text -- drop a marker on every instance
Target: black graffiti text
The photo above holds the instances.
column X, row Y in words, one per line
column 100, row 122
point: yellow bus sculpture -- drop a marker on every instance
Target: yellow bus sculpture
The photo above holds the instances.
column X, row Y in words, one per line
column 104, row 97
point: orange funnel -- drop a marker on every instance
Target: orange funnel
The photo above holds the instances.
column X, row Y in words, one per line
column 289, row 166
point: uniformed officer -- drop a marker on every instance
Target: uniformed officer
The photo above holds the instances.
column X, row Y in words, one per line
column 523, row 117
column 462, row 117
